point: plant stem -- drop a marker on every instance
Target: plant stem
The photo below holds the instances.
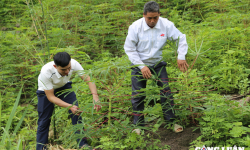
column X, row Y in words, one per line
column 54, row 124
column 189, row 99
column 34, row 21
column 110, row 104
column 46, row 34
column 0, row 108
column 200, row 12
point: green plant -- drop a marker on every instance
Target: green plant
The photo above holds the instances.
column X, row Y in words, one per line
column 222, row 123
column 8, row 135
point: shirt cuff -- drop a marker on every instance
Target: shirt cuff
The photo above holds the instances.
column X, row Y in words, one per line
column 140, row 67
column 181, row 57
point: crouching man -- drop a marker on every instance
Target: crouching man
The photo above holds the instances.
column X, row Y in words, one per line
column 52, row 81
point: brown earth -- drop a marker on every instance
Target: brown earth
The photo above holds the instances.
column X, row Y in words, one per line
column 177, row 141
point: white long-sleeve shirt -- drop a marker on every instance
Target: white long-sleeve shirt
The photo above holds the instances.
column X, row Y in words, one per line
column 144, row 45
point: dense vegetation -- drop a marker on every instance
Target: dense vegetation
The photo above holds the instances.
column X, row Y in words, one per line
column 93, row 32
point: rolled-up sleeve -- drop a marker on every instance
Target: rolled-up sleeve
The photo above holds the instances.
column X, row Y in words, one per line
column 130, row 48
column 175, row 34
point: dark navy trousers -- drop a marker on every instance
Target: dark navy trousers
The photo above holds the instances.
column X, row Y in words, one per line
column 138, row 82
column 45, row 109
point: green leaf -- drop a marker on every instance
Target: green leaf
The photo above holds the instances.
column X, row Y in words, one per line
column 20, row 121
column 237, row 132
column 7, row 127
column 230, row 52
column 237, row 123
column 19, row 145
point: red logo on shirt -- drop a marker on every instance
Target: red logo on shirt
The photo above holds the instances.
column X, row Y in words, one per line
column 162, row 34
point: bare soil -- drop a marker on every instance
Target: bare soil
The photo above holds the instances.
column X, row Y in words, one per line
column 177, row 141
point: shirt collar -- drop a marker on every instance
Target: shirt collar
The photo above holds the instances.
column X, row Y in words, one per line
column 57, row 73
column 146, row 27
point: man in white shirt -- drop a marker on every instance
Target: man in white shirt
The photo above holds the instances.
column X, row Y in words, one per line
column 145, row 40
column 53, row 82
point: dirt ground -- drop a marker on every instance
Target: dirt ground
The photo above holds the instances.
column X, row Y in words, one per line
column 177, row 141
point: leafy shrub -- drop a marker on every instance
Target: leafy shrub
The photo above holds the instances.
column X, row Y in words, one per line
column 224, row 123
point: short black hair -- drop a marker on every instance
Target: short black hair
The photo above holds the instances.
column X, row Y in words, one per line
column 62, row 59
column 151, row 6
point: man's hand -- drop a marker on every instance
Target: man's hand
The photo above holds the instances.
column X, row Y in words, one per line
column 146, row 73
column 97, row 107
column 182, row 64
column 75, row 110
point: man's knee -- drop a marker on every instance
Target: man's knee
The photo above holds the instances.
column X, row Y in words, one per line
column 43, row 124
